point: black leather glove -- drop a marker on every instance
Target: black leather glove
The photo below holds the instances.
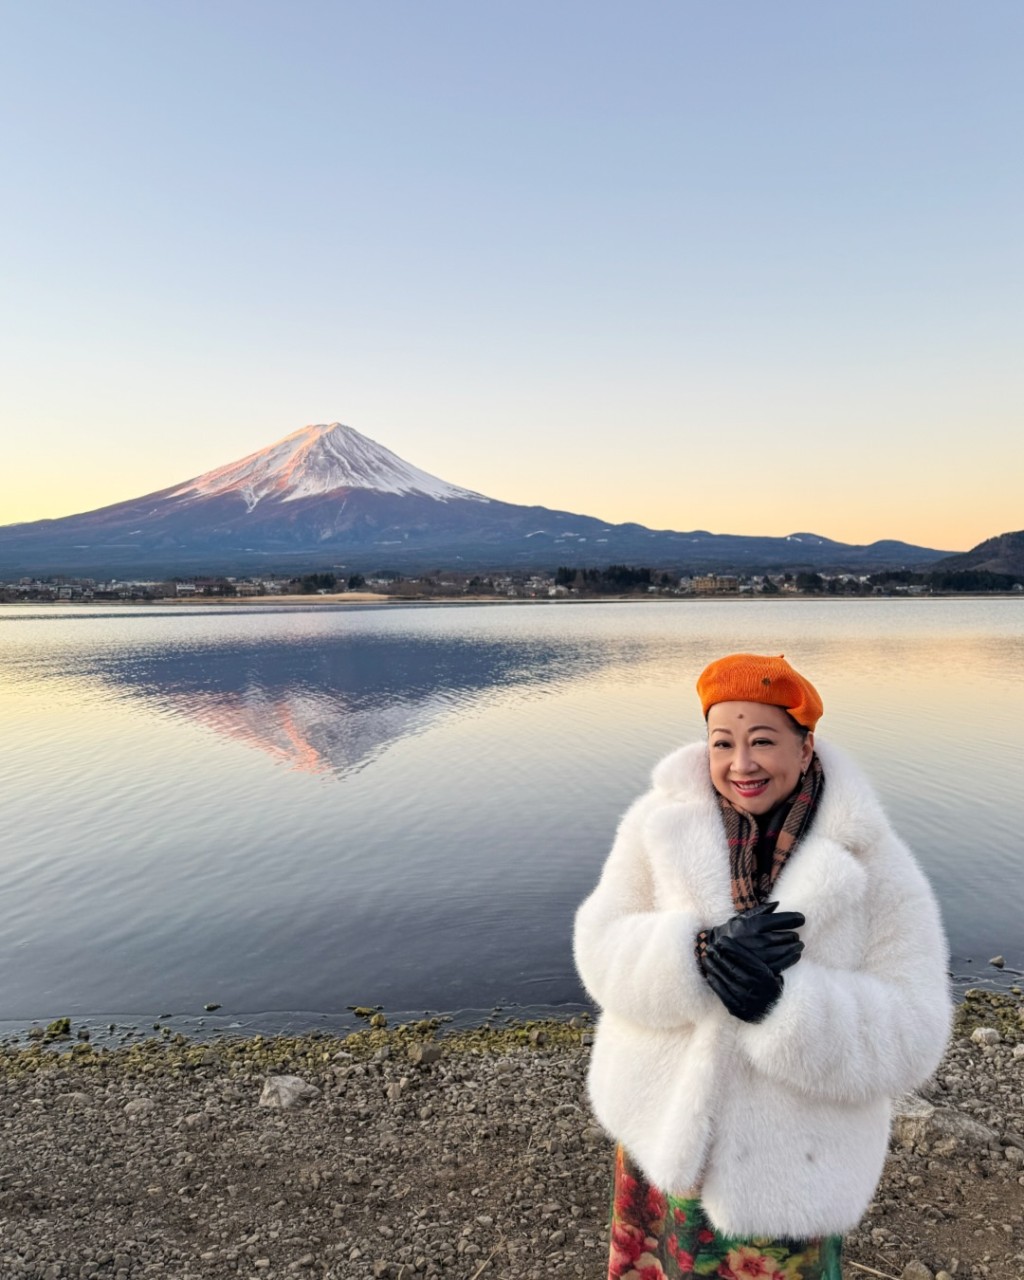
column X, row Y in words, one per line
column 769, row 937
column 741, row 980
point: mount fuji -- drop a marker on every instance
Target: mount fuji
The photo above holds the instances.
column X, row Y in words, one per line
column 316, row 461
column 327, row 495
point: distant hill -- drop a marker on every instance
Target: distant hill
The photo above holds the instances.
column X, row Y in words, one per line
column 1002, row 554
column 327, row 496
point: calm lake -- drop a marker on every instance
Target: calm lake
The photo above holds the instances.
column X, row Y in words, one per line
column 290, row 811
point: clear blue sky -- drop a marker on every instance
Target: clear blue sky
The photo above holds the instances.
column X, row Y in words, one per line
column 746, row 267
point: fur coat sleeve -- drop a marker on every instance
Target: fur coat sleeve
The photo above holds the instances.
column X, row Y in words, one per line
column 637, row 955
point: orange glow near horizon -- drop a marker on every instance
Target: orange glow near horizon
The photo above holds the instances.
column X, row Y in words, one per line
column 921, row 517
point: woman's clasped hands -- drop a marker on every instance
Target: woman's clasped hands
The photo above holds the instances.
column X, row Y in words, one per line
column 743, row 959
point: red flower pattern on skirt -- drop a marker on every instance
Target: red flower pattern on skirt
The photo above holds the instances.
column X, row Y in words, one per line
column 655, row 1236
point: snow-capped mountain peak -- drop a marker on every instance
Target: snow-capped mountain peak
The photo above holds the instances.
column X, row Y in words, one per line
column 317, row 460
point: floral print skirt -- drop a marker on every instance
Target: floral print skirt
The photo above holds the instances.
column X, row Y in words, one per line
column 654, row 1236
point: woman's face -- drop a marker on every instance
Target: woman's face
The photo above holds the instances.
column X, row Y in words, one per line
column 756, row 755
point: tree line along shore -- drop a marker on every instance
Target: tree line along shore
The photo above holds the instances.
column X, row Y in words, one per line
column 567, row 582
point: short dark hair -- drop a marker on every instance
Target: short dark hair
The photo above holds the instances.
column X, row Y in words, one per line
column 795, row 725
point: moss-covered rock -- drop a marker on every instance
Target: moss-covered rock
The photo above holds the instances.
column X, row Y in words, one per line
column 1001, row 1010
column 310, row 1055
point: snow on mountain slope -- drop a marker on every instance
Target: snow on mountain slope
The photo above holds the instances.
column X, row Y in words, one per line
column 317, row 460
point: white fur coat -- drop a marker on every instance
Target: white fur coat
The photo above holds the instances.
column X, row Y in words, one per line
column 784, row 1123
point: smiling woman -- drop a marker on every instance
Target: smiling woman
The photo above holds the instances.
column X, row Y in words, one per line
column 771, row 969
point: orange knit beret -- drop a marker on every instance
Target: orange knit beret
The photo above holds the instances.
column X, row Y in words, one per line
column 750, row 677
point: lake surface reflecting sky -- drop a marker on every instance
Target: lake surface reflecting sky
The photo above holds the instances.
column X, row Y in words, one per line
column 287, row 812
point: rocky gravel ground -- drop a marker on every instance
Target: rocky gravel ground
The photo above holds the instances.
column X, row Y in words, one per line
column 405, row 1156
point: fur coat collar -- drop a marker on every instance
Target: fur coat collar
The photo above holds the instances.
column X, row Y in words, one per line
column 825, row 876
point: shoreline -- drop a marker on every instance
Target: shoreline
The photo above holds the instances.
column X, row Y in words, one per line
column 212, row 1023
column 373, row 598
column 468, row 1154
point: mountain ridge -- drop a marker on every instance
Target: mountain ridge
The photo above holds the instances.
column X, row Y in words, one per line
column 1002, row 554
column 326, row 494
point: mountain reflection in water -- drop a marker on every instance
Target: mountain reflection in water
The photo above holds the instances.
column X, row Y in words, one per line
column 331, row 706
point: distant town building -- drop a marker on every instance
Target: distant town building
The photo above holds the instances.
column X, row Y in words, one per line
column 713, row 583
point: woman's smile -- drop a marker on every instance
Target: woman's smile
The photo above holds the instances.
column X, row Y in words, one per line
column 750, row 787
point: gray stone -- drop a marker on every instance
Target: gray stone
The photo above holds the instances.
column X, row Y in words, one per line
column 916, row 1271
column 985, row 1035
column 286, row 1091
column 915, row 1121
column 139, row 1107
column 424, row 1053
column 998, row 961
column 910, row 1116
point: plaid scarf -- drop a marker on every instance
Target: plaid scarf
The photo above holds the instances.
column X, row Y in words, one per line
column 757, row 856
